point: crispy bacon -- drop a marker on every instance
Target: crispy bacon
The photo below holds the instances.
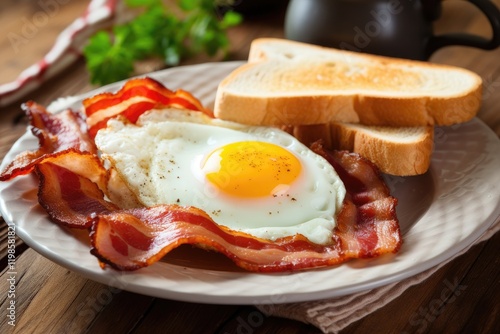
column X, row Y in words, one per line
column 133, row 99
column 73, row 184
column 82, row 197
column 55, row 133
column 135, row 238
column 129, row 240
column 367, row 223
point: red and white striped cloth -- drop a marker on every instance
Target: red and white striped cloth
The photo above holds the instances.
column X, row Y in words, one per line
column 67, row 49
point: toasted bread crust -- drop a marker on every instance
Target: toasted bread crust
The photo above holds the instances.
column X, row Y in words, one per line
column 392, row 156
column 288, row 110
column 377, row 144
column 367, row 110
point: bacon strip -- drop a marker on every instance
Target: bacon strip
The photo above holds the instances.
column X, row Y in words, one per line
column 133, row 99
column 129, row 240
column 368, row 223
column 55, row 133
column 82, row 197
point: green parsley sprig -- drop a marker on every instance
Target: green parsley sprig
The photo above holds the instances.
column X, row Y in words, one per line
column 158, row 32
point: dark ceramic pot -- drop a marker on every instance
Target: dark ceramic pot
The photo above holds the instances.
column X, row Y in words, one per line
column 398, row 28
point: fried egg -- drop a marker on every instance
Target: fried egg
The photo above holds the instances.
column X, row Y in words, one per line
column 257, row 180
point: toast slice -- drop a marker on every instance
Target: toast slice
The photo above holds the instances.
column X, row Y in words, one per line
column 401, row 151
column 293, row 83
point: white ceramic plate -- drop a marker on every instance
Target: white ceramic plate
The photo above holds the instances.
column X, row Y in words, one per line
column 441, row 213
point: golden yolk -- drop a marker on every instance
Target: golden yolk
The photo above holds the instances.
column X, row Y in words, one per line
column 251, row 169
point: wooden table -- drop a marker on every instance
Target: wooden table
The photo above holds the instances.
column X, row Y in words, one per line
column 52, row 299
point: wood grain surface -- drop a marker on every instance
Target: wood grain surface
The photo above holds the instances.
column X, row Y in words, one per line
column 52, row 299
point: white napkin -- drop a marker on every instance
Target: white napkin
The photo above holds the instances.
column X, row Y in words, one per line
column 333, row 315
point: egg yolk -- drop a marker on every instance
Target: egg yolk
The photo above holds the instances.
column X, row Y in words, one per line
column 251, row 169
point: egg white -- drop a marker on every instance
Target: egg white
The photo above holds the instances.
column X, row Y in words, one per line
column 160, row 159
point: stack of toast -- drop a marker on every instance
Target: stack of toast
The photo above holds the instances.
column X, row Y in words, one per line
column 383, row 108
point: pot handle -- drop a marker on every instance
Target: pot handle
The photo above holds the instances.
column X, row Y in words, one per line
column 493, row 15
